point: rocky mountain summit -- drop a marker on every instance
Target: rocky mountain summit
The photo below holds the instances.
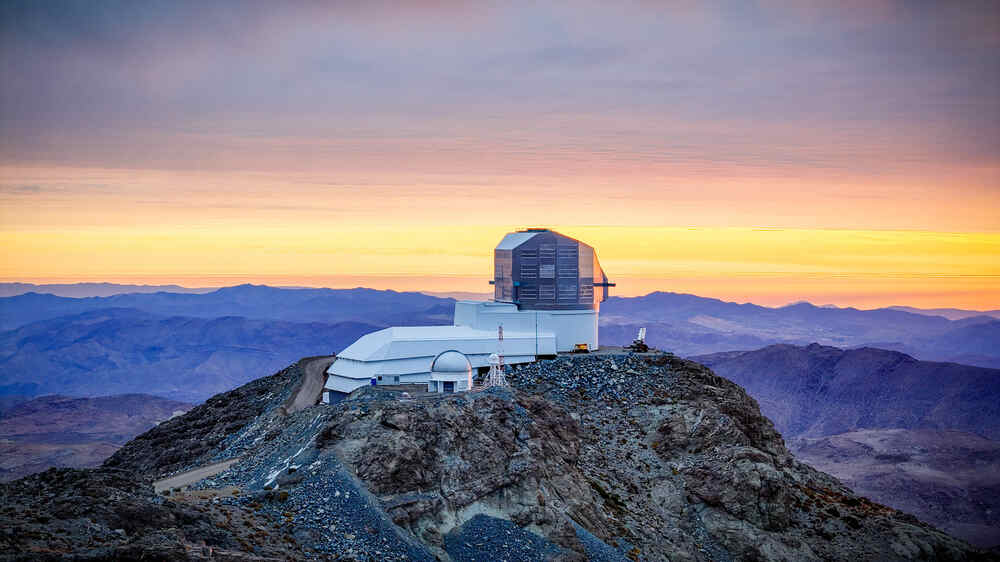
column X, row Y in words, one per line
column 602, row 457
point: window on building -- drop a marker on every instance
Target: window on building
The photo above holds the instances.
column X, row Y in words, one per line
column 547, row 293
column 567, row 292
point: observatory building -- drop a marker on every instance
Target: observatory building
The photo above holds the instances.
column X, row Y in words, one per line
column 450, row 372
column 547, row 291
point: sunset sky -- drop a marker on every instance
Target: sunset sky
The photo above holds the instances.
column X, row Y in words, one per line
column 838, row 152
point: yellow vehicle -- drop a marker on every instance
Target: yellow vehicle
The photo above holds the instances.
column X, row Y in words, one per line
column 581, row 348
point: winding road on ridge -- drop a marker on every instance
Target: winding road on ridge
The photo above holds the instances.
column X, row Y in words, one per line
column 310, row 388
column 306, row 394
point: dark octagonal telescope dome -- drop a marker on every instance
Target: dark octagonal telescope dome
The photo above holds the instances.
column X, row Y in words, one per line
column 540, row 269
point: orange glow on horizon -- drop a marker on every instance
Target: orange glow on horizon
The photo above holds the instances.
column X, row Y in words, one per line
column 862, row 268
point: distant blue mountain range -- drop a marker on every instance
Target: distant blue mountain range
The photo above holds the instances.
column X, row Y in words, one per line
column 250, row 301
column 188, row 346
column 691, row 325
column 122, row 350
column 80, row 290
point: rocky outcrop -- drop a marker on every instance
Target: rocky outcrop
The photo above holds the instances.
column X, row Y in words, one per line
column 917, row 435
column 692, row 470
column 436, row 464
column 607, row 457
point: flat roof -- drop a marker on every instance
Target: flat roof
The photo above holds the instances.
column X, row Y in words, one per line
column 379, row 345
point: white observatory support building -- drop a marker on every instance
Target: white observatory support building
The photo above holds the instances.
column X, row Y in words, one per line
column 403, row 355
column 547, row 293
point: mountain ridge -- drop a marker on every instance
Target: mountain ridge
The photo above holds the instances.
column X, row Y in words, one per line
column 35, row 355
column 842, row 389
column 123, row 350
column 684, row 323
column 250, row 301
column 103, row 289
column 690, row 325
column 949, row 313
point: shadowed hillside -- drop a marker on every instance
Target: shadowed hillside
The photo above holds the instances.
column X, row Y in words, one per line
column 818, row 390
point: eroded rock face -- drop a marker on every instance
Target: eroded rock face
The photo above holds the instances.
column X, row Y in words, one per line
column 437, row 464
column 724, row 478
column 654, row 455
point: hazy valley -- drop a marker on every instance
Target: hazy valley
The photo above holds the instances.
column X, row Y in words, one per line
column 948, row 478
column 75, row 432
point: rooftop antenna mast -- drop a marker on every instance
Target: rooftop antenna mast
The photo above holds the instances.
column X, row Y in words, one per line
column 496, row 375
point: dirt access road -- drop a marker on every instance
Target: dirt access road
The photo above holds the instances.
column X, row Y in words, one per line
column 310, row 388
column 192, row 476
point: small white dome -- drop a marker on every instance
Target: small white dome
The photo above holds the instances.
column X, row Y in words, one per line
column 494, row 359
column 451, row 361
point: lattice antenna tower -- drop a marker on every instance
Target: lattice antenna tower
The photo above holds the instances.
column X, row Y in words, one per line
column 496, row 376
